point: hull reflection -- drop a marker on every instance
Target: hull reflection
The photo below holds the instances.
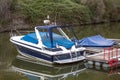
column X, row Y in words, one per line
column 46, row 71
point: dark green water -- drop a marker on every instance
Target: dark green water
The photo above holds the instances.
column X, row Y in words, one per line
column 75, row 71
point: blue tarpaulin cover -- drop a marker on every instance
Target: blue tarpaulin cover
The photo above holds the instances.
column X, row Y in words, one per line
column 96, row 41
column 57, row 40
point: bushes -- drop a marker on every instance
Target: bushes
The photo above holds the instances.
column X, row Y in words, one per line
column 65, row 11
column 103, row 10
column 112, row 10
column 4, row 11
column 6, row 6
column 71, row 11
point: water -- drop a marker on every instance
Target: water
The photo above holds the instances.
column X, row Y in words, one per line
column 12, row 68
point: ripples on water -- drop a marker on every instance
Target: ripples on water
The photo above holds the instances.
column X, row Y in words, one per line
column 8, row 53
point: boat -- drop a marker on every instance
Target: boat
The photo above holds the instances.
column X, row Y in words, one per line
column 35, row 71
column 96, row 41
column 46, row 44
column 96, row 44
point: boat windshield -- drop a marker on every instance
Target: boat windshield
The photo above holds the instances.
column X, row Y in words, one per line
column 51, row 36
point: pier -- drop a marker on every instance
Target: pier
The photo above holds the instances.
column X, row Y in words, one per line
column 108, row 57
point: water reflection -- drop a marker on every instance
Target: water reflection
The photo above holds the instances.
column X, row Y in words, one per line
column 41, row 71
column 76, row 71
column 108, row 70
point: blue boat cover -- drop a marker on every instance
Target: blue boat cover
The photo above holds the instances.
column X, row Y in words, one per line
column 57, row 40
column 96, row 41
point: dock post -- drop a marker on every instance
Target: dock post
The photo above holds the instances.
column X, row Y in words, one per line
column 104, row 54
column 116, row 52
column 108, row 53
column 112, row 55
column 117, row 61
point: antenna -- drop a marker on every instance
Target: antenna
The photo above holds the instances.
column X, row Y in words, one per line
column 47, row 21
column 55, row 21
column 48, row 17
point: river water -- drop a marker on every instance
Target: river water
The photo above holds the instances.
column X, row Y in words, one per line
column 12, row 68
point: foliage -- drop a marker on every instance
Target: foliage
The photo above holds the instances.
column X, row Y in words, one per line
column 62, row 10
column 6, row 6
column 71, row 11
column 103, row 10
column 112, row 9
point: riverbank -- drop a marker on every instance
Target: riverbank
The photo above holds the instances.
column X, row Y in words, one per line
column 22, row 14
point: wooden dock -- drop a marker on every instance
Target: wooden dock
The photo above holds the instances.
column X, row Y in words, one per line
column 107, row 56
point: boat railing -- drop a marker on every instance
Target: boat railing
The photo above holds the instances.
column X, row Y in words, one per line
column 14, row 32
column 71, row 55
column 73, row 48
column 76, row 53
column 63, row 48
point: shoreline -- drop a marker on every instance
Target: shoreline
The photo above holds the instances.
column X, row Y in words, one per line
column 28, row 27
